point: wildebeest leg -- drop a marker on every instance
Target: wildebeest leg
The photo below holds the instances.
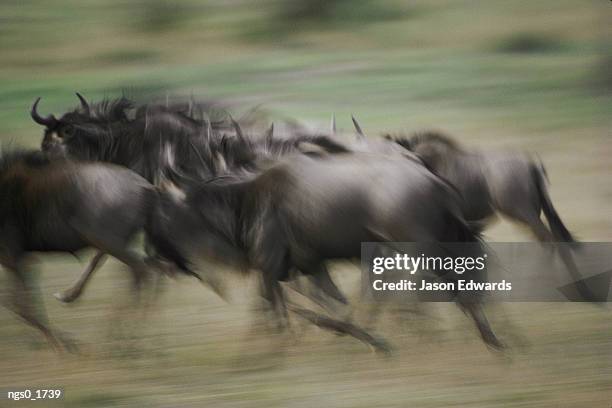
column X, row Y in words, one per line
column 342, row 327
column 476, row 312
column 118, row 250
column 130, row 311
column 471, row 303
column 23, row 304
column 129, row 315
column 271, row 292
column 319, row 278
column 543, row 234
column 113, row 239
column 271, row 257
column 537, row 227
column 73, row 292
column 569, row 262
column 313, row 295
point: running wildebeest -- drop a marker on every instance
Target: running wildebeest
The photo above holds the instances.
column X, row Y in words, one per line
column 56, row 205
column 304, row 211
column 150, row 138
column 216, row 154
column 157, row 139
column 513, row 184
column 104, row 132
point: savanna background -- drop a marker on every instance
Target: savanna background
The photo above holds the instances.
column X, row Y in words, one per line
column 533, row 75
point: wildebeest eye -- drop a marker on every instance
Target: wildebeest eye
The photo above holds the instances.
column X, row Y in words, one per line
column 67, row 131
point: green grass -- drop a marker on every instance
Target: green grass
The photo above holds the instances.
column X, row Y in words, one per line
column 431, row 68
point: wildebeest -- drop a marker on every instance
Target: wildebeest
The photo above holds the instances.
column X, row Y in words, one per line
column 511, row 183
column 220, row 153
column 65, row 206
column 154, row 140
column 304, row 211
column 150, row 138
column 105, row 132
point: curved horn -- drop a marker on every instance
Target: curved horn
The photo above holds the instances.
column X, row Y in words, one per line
column 333, row 124
column 358, row 128
column 84, row 103
column 48, row 121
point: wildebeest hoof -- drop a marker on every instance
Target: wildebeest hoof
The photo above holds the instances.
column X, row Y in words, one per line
column 64, row 343
column 382, row 347
column 65, row 297
column 70, row 345
column 495, row 344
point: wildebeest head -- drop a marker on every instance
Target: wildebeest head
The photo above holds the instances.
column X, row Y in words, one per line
column 146, row 139
column 431, row 146
column 84, row 133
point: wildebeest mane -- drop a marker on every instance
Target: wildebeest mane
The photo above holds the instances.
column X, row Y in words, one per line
column 239, row 154
column 421, row 137
column 146, row 140
column 107, row 110
column 197, row 113
column 433, row 136
column 180, row 136
column 278, row 147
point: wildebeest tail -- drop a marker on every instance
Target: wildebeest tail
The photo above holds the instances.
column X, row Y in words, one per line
column 159, row 234
column 559, row 231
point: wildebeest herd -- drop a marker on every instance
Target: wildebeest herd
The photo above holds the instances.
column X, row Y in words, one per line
column 276, row 204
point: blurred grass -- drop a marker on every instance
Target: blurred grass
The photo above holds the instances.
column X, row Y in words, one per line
column 435, row 67
column 530, row 75
column 194, row 350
